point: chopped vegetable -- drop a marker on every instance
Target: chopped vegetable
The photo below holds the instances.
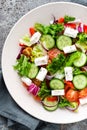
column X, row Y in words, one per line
column 23, row 66
column 56, row 64
column 52, row 63
column 68, row 18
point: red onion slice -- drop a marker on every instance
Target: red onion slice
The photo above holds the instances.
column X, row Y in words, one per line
column 49, row 77
column 84, row 68
column 73, row 108
column 33, row 89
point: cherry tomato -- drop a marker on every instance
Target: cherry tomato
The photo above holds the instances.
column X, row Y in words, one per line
column 61, row 20
column 52, row 98
column 32, row 31
column 53, row 53
column 72, row 95
column 83, row 93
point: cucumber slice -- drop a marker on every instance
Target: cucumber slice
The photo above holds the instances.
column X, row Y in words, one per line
column 53, row 108
column 63, row 41
column 56, row 84
column 48, row 103
column 47, row 42
column 81, row 61
column 80, row 81
column 33, row 71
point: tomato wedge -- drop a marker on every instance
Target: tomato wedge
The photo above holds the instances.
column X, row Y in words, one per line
column 37, row 98
column 72, row 95
column 53, row 53
column 52, row 98
column 69, row 83
column 83, row 93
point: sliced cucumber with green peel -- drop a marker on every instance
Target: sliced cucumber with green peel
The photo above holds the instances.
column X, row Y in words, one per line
column 63, row 41
column 80, row 81
column 81, row 61
column 56, row 84
column 33, row 71
column 47, row 41
column 48, row 103
column 53, row 108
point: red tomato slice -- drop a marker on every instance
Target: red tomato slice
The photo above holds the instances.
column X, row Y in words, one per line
column 52, row 98
column 85, row 28
column 71, row 25
column 69, row 84
column 61, row 20
column 32, row 31
column 83, row 93
column 53, row 53
column 37, row 98
column 72, row 95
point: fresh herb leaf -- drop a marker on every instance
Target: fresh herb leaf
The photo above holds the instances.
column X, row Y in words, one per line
column 23, row 66
column 82, row 37
column 82, row 41
column 56, row 64
column 72, row 57
column 44, row 91
column 52, row 29
column 63, row 102
column 78, row 71
column 68, row 18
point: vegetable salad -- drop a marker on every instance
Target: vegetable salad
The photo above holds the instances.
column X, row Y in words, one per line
column 52, row 63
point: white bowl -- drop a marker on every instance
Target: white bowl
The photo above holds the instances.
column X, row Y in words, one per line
column 42, row 14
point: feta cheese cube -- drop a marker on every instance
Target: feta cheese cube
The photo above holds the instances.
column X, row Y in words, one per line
column 68, row 73
column 35, row 38
column 41, row 60
column 26, row 80
column 42, row 74
column 69, row 49
column 70, row 32
column 83, row 101
column 57, row 92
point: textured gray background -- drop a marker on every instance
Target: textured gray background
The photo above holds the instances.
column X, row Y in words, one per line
column 10, row 12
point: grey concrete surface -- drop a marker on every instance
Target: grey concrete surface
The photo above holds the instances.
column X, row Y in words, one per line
column 10, row 12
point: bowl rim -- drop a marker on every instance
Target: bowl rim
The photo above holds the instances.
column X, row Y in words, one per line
column 12, row 29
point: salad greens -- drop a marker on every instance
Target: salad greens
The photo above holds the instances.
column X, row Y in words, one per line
column 37, row 51
column 52, row 29
column 63, row 102
column 56, row 64
column 23, row 66
column 44, row 91
column 68, row 18
column 52, row 63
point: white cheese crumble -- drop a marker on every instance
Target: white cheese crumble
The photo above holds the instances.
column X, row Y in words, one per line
column 69, row 49
column 70, row 32
column 42, row 74
column 57, row 92
column 35, row 38
column 83, row 101
column 26, row 80
column 68, row 73
column 41, row 60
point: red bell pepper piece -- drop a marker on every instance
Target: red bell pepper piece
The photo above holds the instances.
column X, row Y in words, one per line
column 85, row 28
column 32, row 31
